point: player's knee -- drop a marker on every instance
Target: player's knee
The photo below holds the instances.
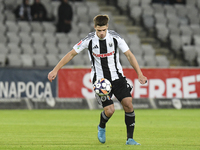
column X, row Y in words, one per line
column 109, row 111
column 128, row 108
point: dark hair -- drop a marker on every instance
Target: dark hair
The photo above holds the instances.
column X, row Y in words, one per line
column 101, row 20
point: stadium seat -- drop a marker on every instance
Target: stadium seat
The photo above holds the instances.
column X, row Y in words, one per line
column 123, row 4
column 140, row 60
column 181, row 13
column 27, row 48
column 52, row 59
column 135, row 13
column 198, row 61
column 3, row 49
column 24, row 27
column 37, row 37
column 39, row 60
column 14, row 60
column 75, row 29
column 148, row 21
column 175, row 43
column 189, row 53
column 134, row 3
column 73, row 38
column 145, row 2
column 53, row 8
column 93, row 10
column 186, row 39
column 186, row 30
column 39, row 48
column 158, row 8
column 120, row 28
column 12, row 26
column 83, row 18
column 25, row 38
column 162, row 32
column 195, row 29
column 134, row 39
column 193, row 19
column 51, row 48
column 124, row 60
column 148, row 50
column 3, row 39
column 10, row 4
column 169, row 9
column 14, row 48
column 3, row 60
column 82, row 13
column 63, row 48
column 84, row 28
column 9, row 16
column 173, row 19
column 49, row 8
column 3, row 28
column 160, row 18
column 150, row 61
column 48, row 27
column 36, row 27
column 162, row 61
column 13, row 38
column 196, row 39
column 191, row 2
column 174, row 29
column 78, row 60
column 197, row 49
column 136, row 49
column 27, row 60
column 50, row 38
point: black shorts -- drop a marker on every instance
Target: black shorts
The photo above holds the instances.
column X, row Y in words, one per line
column 120, row 88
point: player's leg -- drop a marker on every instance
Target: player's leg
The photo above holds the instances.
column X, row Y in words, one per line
column 129, row 119
column 108, row 110
column 122, row 93
column 106, row 114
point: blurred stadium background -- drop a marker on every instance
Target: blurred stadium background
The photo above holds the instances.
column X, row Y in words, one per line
column 160, row 36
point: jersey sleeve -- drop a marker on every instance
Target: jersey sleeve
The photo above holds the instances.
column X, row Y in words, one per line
column 80, row 46
column 122, row 45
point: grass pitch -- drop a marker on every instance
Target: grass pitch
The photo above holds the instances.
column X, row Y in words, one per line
column 160, row 129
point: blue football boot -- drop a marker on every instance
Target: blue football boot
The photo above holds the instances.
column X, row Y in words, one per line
column 101, row 134
column 132, row 142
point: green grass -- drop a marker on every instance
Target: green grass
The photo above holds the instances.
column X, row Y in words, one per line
column 160, row 129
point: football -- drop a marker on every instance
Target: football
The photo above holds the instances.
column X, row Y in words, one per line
column 102, row 87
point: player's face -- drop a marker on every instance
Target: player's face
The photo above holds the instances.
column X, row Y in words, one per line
column 101, row 31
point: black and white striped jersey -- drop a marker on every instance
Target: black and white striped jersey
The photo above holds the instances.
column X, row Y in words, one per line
column 104, row 54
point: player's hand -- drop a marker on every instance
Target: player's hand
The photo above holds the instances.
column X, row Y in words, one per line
column 52, row 75
column 142, row 79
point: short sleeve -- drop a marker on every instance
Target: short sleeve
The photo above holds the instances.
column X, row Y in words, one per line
column 80, row 46
column 122, row 45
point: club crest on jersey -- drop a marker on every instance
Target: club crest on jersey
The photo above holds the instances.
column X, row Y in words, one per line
column 110, row 44
column 103, row 55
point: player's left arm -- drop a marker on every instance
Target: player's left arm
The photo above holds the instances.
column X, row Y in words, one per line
column 70, row 55
column 132, row 60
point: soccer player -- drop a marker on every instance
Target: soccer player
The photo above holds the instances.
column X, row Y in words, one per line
column 103, row 47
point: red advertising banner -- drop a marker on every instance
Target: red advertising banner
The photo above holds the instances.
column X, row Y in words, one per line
column 162, row 83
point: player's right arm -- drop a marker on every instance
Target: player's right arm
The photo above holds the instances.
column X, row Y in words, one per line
column 52, row 75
